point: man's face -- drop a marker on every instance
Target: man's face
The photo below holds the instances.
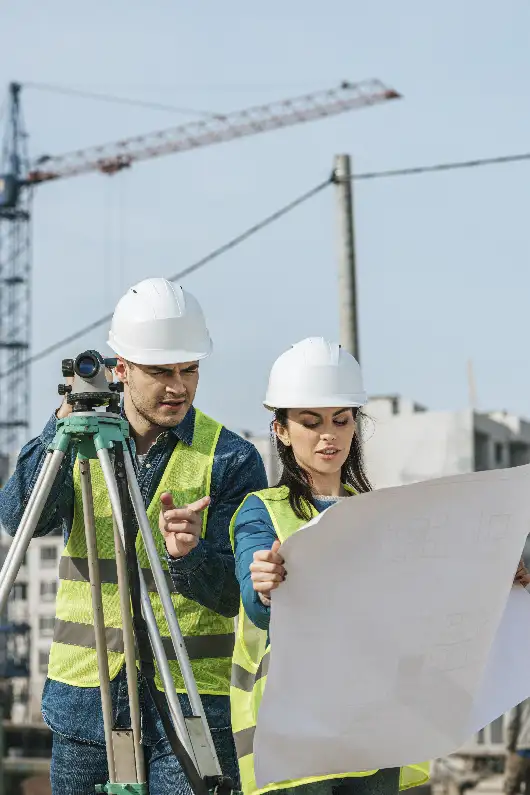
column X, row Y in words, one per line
column 161, row 394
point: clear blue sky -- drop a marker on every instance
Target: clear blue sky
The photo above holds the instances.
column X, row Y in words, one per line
column 443, row 260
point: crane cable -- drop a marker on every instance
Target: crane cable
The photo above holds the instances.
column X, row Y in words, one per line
column 122, row 229
column 140, row 103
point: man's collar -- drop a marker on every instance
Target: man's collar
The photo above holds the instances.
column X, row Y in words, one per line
column 184, row 430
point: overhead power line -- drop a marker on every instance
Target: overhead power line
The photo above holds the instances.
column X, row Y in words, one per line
column 235, row 241
column 413, row 171
column 452, row 166
column 56, row 89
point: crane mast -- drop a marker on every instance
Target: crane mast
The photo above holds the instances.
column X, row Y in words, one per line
column 18, row 177
column 15, row 272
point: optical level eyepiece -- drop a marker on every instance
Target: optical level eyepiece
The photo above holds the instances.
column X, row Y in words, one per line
column 87, row 365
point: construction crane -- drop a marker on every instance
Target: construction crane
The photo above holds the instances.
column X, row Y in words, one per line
column 18, row 177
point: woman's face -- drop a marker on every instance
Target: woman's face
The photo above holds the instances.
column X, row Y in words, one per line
column 320, row 438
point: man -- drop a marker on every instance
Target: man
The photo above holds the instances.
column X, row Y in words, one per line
column 159, row 334
column 518, row 747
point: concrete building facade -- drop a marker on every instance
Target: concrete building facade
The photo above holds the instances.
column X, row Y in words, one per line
column 267, row 451
column 32, row 601
column 406, row 443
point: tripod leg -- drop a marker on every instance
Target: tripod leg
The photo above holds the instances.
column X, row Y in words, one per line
column 16, row 540
column 28, row 524
column 145, row 638
column 169, row 611
column 128, row 647
column 97, row 606
column 125, row 605
column 163, row 666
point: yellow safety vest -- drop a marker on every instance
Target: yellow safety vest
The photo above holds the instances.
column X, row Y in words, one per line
column 209, row 637
column 250, row 665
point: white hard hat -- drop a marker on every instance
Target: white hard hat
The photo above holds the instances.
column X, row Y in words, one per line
column 157, row 322
column 315, row 373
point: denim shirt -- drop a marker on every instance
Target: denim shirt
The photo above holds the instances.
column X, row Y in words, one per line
column 206, row 574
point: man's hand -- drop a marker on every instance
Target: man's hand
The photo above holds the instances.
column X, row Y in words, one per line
column 181, row 527
column 65, row 408
column 522, row 576
column 267, row 572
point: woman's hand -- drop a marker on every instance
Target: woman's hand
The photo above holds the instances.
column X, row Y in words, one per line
column 267, row 572
column 522, row 576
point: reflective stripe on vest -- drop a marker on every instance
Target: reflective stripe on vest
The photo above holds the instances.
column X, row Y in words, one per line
column 209, row 637
column 76, row 570
column 198, row 647
column 251, row 662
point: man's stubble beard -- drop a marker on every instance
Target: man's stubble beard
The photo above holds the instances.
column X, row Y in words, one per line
column 149, row 416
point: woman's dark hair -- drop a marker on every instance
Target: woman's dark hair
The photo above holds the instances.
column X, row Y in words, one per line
column 298, row 480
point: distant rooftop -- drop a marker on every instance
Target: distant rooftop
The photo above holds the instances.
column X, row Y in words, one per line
column 398, row 403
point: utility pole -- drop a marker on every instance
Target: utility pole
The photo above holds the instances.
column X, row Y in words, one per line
column 472, row 388
column 349, row 328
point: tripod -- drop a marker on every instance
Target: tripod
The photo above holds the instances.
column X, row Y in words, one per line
column 103, row 435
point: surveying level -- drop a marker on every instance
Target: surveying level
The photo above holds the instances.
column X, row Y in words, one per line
column 93, row 391
column 103, row 435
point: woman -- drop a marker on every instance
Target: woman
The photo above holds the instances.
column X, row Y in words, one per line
column 316, row 391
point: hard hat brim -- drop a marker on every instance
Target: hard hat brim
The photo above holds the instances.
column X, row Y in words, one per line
column 158, row 356
column 272, row 402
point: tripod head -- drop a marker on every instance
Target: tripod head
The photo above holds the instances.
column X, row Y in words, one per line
column 90, row 388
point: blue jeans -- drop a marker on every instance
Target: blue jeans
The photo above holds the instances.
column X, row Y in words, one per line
column 77, row 767
column 79, row 760
column 384, row 782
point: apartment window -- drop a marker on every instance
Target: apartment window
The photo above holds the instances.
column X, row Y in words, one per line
column 499, row 453
column 19, row 592
column 46, row 624
column 43, row 661
column 482, row 441
column 519, row 454
column 21, row 697
column 48, row 556
column 48, row 590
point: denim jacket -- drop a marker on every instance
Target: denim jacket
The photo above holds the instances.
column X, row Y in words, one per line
column 206, row 575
